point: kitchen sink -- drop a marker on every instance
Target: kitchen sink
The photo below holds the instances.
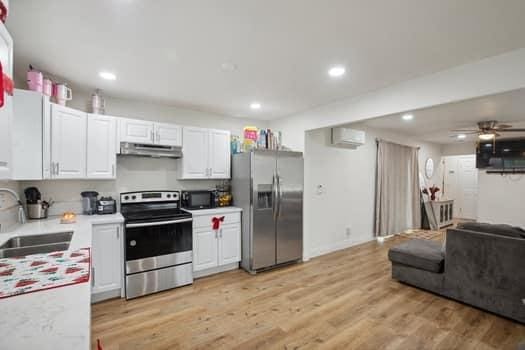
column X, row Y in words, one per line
column 35, row 244
column 32, row 240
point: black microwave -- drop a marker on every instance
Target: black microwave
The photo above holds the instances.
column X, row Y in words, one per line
column 198, row 199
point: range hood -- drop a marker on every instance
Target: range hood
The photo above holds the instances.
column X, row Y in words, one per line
column 145, row 150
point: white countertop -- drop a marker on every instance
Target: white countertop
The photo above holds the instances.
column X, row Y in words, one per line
column 57, row 318
column 213, row 211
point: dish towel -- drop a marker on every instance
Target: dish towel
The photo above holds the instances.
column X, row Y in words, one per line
column 33, row 273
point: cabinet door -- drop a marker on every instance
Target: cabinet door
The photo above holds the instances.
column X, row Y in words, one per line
column 229, row 244
column 136, row 131
column 106, row 258
column 6, row 111
column 219, row 154
column 195, row 148
column 68, row 142
column 205, row 251
column 101, row 154
column 168, row 134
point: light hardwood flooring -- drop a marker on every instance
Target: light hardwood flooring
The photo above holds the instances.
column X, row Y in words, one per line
column 344, row 300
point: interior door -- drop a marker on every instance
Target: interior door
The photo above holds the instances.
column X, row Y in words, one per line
column 168, row 134
column 68, row 142
column 264, row 192
column 468, row 187
column 219, row 154
column 289, row 224
column 101, row 153
column 195, row 153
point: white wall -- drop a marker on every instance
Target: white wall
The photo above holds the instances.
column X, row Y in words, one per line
column 348, row 181
column 489, row 76
column 137, row 173
column 459, row 149
column 501, row 198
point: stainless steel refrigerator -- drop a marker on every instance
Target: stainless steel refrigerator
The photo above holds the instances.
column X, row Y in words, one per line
column 268, row 186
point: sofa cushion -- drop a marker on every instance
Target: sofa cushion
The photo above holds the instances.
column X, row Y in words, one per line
column 419, row 253
column 500, row 229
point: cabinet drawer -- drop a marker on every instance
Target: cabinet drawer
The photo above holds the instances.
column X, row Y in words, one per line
column 205, row 221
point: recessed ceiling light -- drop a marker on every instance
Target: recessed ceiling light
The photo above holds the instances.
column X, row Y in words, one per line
column 228, row 67
column 107, row 75
column 337, row 71
column 486, row 137
column 407, row 117
column 255, row 105
column 461, row 136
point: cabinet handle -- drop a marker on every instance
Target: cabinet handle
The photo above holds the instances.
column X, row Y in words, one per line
column 158, row 136
column 113, row 170
column 52, row 170
column 216, row 234
column 92, row 276
column 221, row 232
column 58, row 168
column 118, row 232
column 152, row 136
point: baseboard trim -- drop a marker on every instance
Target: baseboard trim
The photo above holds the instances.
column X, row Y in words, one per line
column 110, row 294
column 330, row 248
column 214, row 270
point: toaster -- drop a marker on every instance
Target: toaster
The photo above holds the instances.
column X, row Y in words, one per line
column 106, row 205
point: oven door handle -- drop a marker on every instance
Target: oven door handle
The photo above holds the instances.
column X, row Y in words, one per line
column 158, row 223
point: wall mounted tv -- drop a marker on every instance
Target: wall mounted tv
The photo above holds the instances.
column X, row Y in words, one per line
column 504, row 155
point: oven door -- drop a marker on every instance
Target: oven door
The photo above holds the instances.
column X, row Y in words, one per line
column 154, row 245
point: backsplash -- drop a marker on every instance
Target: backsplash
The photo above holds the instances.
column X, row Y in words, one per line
column 9, row 207
column 133, row 174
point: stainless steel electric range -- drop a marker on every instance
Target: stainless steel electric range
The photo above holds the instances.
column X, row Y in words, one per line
column 158, row 237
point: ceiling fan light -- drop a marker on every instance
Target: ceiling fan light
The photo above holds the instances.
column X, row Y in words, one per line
column 486, row 137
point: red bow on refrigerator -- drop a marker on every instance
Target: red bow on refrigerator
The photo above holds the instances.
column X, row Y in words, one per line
column 216, row 222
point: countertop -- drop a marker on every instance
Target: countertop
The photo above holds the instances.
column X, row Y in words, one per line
column 213, row 211
column 55, row 318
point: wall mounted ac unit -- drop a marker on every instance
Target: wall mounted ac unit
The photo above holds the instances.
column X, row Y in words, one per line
column 348, row 138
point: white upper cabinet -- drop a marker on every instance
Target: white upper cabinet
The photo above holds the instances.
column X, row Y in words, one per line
column 219, row 154
column 6, row 111
column 205, row 154
column 68, row 143
column 136, row 131
column 101, row 153
column 195, row 148
column 168, row 134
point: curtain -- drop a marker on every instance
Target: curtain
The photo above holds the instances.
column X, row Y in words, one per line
column 397, row 189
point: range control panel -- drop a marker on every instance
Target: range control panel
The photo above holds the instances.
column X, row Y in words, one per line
column 149, row 196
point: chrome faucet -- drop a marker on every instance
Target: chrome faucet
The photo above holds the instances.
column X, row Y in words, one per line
column 21, row 213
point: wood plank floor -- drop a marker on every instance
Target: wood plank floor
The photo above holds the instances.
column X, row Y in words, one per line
column 344, row 300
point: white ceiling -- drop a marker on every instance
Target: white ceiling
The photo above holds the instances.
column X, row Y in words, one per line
column 435, row 124
column 172, row 51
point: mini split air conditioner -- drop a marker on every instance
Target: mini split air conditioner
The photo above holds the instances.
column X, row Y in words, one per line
column 349, row 138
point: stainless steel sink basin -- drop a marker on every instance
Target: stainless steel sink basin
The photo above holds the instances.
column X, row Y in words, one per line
column 36, row 249
column 32, row 240
column 35, row 244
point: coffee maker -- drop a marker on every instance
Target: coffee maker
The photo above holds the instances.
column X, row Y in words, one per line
column 89, row 202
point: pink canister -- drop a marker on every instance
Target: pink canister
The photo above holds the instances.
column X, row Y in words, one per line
column 47, row 87
column 35, row 80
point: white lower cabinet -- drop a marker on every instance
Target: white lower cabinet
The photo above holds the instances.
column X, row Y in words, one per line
column 106, row 262
column 216, row 250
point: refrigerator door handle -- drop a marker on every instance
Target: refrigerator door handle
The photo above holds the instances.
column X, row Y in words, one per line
column 274, row 197
column 279, row 196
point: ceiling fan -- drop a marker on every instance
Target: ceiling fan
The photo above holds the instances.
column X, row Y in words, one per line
column 488, row 130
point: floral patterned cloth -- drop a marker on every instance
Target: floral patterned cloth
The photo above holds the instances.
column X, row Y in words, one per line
column 32, row 273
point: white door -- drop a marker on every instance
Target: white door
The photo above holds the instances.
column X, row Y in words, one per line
column 101, row 154
column 229, row 244
column 219, row 154
column 195, row 148
column 468, row 187
column 6, row 112
column 136, row 131
column 68, row 142
column 205, row 251
column 168, row 134
column 106, row 258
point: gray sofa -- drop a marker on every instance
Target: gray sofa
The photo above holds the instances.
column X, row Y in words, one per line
column 481, row 264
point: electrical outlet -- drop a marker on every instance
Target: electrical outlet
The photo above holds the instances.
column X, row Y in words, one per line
column 348, row 231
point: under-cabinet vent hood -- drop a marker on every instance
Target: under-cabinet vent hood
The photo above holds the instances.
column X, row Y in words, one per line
column 145, row 150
